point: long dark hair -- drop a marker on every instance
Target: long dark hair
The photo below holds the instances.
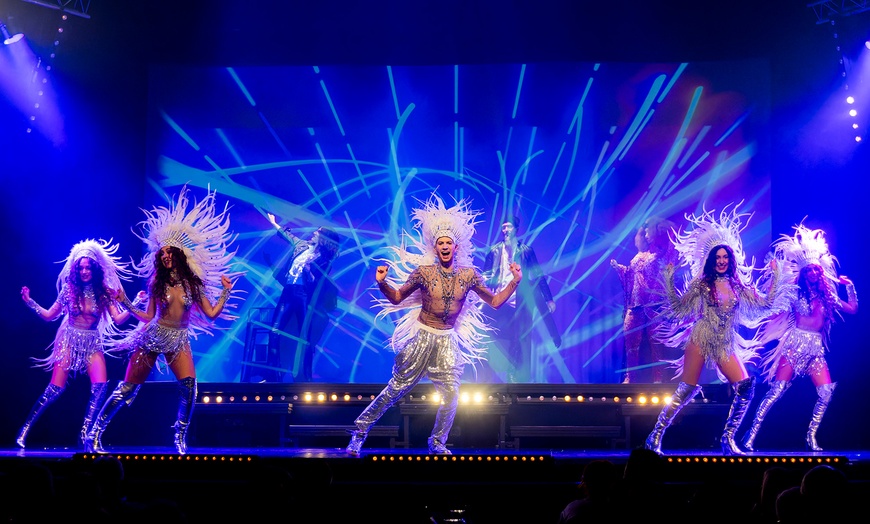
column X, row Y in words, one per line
column 163, row 276
column 826, row 293
column 710, row 273
column 76, row 287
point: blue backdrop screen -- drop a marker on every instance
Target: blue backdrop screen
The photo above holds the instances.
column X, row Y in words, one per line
column 584, row 153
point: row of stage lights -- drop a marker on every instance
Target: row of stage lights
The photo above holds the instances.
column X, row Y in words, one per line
column 465, row 398
column 473, row 458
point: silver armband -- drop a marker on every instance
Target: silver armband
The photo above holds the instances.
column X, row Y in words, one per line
column 851, row 293
column 34, row 306
column 131, row 306
column 225, row 295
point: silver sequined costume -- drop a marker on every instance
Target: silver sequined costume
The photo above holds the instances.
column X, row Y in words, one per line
column 713, row 326
column 431, row 353
column 72, row 347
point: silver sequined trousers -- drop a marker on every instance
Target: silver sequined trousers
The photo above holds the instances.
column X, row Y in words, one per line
column 430, row 354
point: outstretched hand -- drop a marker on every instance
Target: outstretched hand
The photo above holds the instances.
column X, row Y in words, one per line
column 273, row 220
column 226, row 282
column 381, row 274
column 25, row 293
column 516, row 271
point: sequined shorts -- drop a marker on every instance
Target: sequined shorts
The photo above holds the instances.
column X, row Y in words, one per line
column 804, row 351
column 72, row 349
column 163, row 340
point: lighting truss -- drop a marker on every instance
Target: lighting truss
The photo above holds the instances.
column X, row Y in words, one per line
column 73, row 7
column 826, row 11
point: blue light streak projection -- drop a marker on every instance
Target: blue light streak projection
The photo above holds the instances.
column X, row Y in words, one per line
column 584, row 152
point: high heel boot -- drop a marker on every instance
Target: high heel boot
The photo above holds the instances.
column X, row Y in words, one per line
column 48, row 396
column 743, row 392
column 825, row 391
column 682, row 396
column 776, row 391
column 99, row 391
column 124, row 394
column 186, row 402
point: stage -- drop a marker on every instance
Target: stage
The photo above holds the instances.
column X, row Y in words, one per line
column 309, row 484
column 518, row 451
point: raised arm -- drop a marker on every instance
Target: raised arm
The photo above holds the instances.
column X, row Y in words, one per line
column 396, row 296
column 851, row 305
column 49, row 314
column 498, row 299
column 214, row 311
column 687, row 304
column 119, row 316
column 283, row 232
column 141, row 315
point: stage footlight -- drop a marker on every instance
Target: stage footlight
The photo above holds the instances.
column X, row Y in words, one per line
column 7, row 38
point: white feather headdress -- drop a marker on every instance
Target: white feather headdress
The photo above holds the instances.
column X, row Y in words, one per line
column 431, row 221
column 807, row 246
column 103, row 253
column 202, row 233
column 707, row 231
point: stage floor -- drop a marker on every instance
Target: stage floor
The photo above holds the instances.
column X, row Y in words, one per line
column 405, row 485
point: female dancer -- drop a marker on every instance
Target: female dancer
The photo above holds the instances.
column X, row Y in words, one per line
column 85, row 300
column 802, row 332
column 710, row 310
column 186, row 265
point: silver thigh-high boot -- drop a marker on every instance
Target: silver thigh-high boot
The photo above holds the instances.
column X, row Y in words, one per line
column 449, row 391
column 774, row 393
column 99, row 390
column 682, row 396
column 124, row 394
column 825, row 391
column 374, row 411
column 186, row 402
column 48, row 396
column 743, row 392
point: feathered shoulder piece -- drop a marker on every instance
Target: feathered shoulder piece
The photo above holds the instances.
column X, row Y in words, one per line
column 103, row 253
column 707, row 230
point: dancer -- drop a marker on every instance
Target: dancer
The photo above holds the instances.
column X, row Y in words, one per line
column 513, row 322
column 186, row 264
column 306, row 300
column 707, row 316
column 803, row 331
column 643, row 285
column 441, row 330
column 85, row 300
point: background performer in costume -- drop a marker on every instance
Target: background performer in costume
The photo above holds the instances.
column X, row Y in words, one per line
column 306, row 300
column 513, row 322
column 643, row 285
column 186, row 268
column 802, row 332
column 442, row 329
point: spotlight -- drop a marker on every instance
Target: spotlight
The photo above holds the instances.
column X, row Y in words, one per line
column 7, row 38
